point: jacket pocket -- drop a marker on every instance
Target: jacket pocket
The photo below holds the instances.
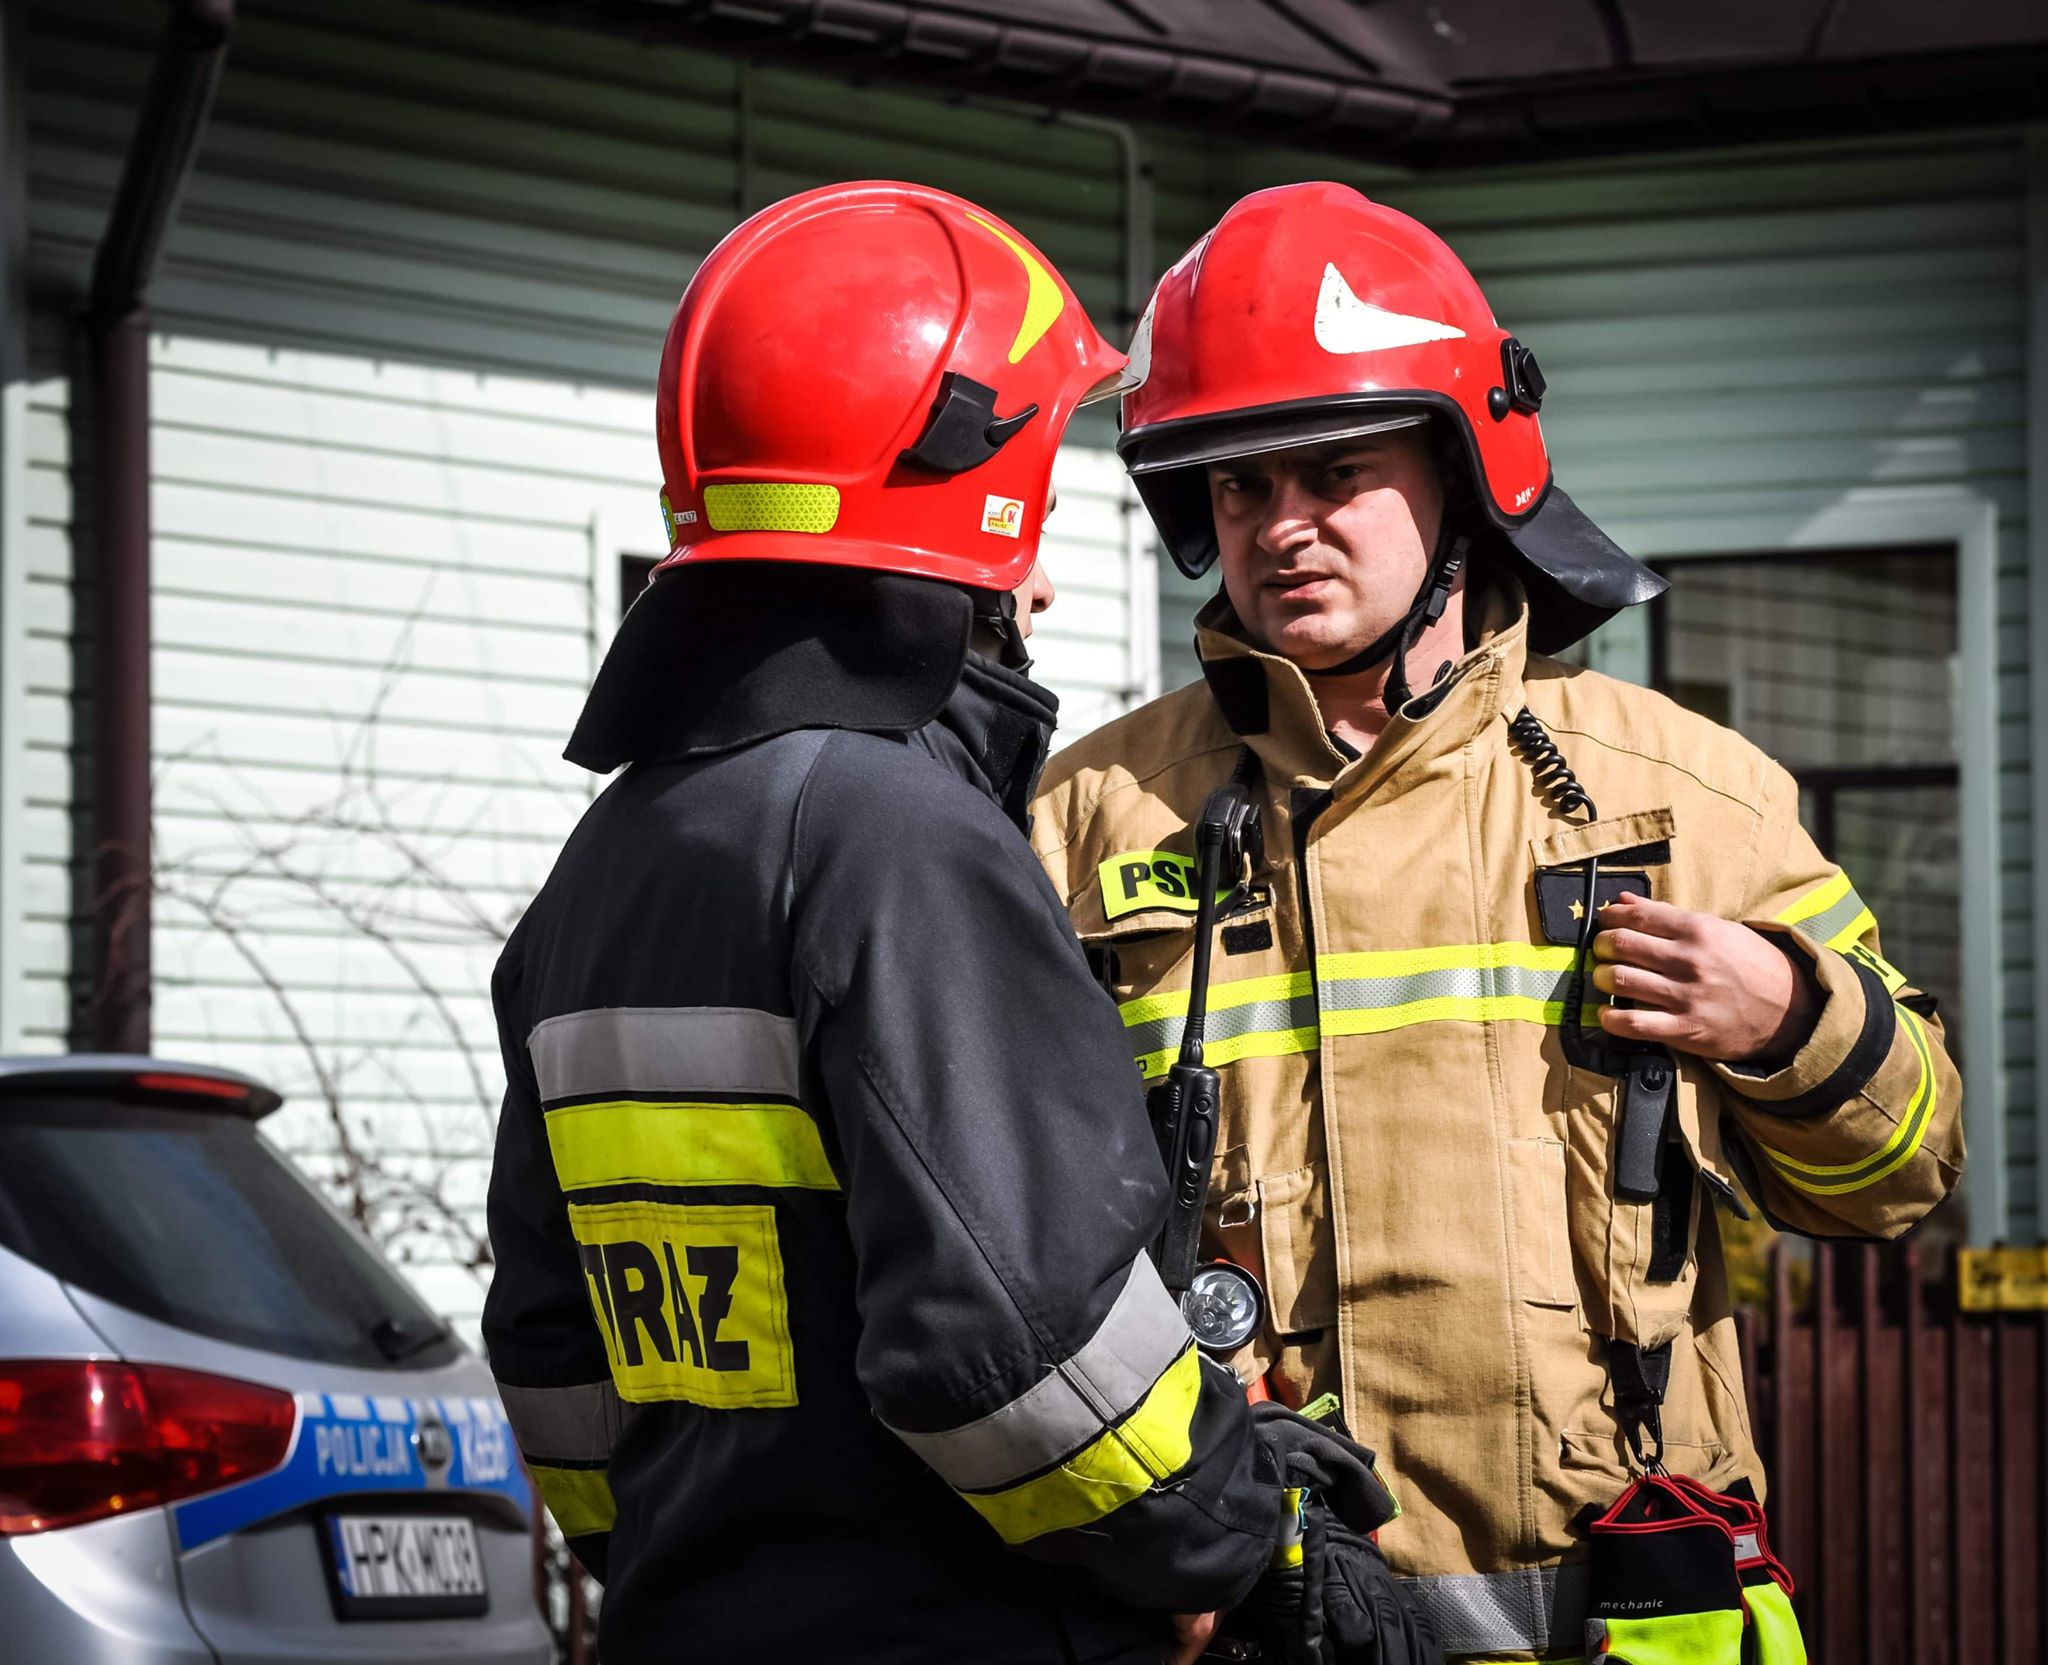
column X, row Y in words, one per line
column 1298, row 1249
column 1137, row 957
column 1230, row 1216
column 1543, row 1250
column 1636, row 837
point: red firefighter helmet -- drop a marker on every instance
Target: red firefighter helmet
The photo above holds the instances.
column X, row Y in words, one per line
column 872, row 375
column 1311, row 312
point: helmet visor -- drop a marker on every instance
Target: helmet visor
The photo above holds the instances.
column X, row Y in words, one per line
column 1127, row 376
column 1244, row 434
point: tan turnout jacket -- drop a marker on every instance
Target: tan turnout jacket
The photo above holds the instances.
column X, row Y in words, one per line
column 1406, row 1162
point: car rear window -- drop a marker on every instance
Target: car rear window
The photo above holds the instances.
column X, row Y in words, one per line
column 188, row 1217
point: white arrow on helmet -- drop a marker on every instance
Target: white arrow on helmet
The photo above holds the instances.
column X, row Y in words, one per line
column 1346, row 324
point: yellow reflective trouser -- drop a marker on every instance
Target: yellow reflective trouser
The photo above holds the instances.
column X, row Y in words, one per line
column 1778, row 1641
column 1669, row 1639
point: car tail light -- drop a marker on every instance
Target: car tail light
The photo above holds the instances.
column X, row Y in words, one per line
column 81, row 1439
column 203, row 1086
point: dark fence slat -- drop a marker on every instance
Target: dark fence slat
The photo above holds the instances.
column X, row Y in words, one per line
column 1973, row 1486
column 1885, row 1472
column 2018, row 1387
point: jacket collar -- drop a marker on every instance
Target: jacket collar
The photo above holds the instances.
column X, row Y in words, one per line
column 1269, row 703
column 993, row 732
column 727, row 654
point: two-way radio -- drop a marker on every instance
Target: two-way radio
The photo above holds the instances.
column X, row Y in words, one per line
column 1222, row 1302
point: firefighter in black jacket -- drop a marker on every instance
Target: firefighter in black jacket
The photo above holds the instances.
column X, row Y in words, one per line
column 823, row 1182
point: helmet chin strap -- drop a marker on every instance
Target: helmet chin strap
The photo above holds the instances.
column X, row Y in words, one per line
column 1427, row 607
column 996, row 612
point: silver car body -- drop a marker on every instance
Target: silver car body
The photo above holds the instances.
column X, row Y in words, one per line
column 238, row 1576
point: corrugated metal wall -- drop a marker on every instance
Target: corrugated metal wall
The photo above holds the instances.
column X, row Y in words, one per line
column 1764, row 335
column 401, row 439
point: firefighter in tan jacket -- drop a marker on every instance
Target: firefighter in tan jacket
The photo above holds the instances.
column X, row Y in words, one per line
column 1509, row 1272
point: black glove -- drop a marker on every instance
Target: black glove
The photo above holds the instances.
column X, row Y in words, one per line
column 1342, row 1604
column 1327, row 1462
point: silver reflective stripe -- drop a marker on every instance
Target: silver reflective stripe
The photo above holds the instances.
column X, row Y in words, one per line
column 1061, row 1412
column 1477, row 982
column 565, row 1424
column 1532, row 1610
column 1747, row 1548
column 632, row 1050
column 1254, row 1017
column 1831, row 921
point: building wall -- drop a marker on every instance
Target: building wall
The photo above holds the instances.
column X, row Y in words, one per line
column 1772, row 349
column 401, row 386
column 406, row 334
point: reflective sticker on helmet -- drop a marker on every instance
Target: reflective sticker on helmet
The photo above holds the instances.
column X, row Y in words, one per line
column 772, row 508
column 1043, row 301
column 673, row 520
column 1346, row 324
column 1003, row 516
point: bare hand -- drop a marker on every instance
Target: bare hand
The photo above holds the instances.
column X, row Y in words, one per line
column 1192, row 1632
column 1702, row 985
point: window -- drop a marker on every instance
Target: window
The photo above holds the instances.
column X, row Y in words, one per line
column 1843, row 667
column 188, row 1217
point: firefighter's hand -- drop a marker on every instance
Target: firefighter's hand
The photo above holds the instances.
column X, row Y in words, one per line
column 1703, row 985
column 1192, row 1632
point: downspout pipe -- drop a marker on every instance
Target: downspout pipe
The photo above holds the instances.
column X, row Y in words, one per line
column 116, row 335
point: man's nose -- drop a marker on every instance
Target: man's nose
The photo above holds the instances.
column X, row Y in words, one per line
column 1289, row 522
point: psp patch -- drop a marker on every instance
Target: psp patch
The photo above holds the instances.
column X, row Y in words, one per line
column 1141, row 879
column 691, row 1301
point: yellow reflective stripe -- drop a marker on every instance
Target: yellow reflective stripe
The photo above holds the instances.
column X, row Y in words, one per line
column 635, row 1141
column 1043, row 302
column 1826, row 1180
column 1245, row 991
column 1453, row 956
column 771, row 506
column 1864, row 921
column 1258, row 1043
column 1482, row 982
column 1150, row 1446
column 1818, row 900
column 1451, row 1008
column 1363, row 993
column 580, row 1499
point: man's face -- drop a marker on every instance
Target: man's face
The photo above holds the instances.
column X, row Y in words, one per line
column 1034, row 595
column 1324, row 545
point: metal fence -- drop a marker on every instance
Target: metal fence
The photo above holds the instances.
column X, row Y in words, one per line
column 1905, row 1444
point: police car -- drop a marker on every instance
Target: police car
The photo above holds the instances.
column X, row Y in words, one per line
column 229, row 1433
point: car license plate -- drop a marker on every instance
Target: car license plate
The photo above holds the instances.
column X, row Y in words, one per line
column 405, row 1567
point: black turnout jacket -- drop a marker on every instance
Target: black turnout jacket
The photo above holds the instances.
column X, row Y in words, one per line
column 823, row 1180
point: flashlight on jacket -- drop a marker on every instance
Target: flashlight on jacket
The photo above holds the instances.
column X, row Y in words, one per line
column 1221, row 1302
